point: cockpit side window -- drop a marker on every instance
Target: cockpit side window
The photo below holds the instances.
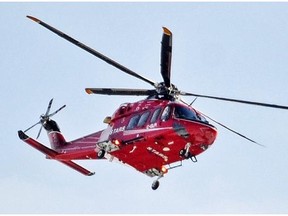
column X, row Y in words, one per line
column 185, row 113
column 166, row 113
column 202, row 118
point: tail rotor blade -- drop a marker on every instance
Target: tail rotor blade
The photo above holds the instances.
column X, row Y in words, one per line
column 32, row 126
column 39, row 132
column 52, row 114
column 49, row 107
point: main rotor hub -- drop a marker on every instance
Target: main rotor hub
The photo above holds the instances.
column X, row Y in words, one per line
column 172, row 92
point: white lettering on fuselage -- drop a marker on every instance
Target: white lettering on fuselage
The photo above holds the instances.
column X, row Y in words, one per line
column 151, row 126
column 164, row 157
column 134, row 147
column 117, row 130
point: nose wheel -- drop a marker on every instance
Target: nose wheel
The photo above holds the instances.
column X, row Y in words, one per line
column 183, row 153
column 155, row 184
column 186, row 154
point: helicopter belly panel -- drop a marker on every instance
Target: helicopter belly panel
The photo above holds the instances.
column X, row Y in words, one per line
column 154, row 151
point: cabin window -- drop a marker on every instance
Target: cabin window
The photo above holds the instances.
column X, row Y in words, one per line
column 155, row 115
column 133, row 122
column 143, row 119
column 166, row 113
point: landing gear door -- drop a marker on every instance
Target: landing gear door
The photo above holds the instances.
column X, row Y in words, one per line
column 105, row 134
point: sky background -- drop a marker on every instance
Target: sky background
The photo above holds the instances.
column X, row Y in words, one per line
column 237, row 50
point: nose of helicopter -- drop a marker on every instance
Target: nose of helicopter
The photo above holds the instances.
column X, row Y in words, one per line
column 209, row 134
column 196, row 132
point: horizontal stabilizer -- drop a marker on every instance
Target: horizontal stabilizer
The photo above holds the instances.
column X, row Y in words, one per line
column 78, row 168
column 35, row 144
column 51, row 154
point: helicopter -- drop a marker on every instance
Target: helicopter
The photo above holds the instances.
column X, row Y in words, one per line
column 152, row 135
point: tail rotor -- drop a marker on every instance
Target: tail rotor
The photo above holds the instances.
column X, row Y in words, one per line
column 45, row 117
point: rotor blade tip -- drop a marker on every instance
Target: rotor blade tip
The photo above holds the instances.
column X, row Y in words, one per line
column 34, row 19
column 88, row 91
column 167, row 31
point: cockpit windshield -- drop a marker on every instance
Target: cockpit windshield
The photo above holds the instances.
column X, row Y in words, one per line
column 188, row 114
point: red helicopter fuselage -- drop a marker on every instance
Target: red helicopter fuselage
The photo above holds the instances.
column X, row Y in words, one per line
column 152, row 133
column 147, row 135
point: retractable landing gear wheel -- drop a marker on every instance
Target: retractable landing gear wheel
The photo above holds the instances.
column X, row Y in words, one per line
column 182, row 153
column 155, row 184
column 101, row 153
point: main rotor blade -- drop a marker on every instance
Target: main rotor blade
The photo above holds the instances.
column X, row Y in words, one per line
column 120, row 91
column 236, row 100
column 166, row 55
column 235, row 132
column 92, row 51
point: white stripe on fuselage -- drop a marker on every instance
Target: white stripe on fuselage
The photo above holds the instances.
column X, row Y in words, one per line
column 139, row 131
